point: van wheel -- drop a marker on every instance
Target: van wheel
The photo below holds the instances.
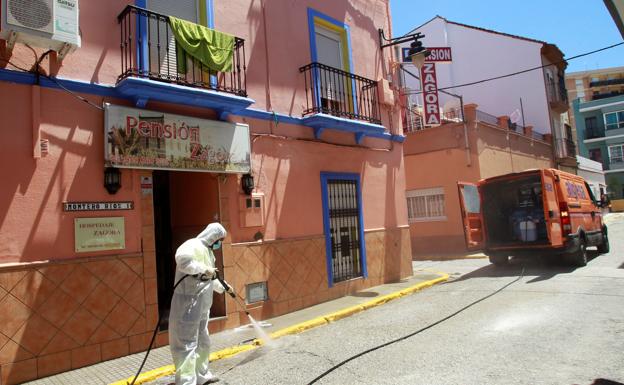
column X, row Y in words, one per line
column 603, row 248
column 499, row 260
column 579, row 258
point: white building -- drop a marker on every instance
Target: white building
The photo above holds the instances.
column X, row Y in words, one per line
column 478, row 54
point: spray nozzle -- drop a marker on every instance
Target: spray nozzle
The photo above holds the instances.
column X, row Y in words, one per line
column 225, row 285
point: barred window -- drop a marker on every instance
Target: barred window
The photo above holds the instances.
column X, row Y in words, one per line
column 425, row 204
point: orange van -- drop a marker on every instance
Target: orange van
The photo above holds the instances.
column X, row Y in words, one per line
column 532, row 213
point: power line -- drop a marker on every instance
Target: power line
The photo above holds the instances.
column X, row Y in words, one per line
column 55, row 80
column 524, row 71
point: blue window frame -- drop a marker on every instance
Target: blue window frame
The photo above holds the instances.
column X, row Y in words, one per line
column 343, row 226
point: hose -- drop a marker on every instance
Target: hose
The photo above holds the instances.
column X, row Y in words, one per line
column 414, row 333
column 154, row 337
column 203, row 277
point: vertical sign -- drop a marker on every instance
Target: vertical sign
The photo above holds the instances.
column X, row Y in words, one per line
column 430, row 94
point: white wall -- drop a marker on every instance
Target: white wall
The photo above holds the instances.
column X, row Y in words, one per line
column 592, row 172
column 479, row 55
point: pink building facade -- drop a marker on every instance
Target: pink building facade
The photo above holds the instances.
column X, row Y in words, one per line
column 306, row 111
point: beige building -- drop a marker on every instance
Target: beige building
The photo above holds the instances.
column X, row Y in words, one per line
column 593, row 85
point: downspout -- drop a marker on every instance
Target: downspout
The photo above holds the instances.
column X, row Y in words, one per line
column 36, row 120
column 467, row 142
column 269, row 105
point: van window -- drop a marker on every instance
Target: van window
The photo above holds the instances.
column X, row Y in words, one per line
column 471, row 199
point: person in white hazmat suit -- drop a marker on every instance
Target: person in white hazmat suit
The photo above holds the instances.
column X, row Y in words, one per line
column 190, row 306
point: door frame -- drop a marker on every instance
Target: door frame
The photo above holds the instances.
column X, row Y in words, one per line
column 325, row 178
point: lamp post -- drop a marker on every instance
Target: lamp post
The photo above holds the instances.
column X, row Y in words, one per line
column 112, row 179
column 417, row 52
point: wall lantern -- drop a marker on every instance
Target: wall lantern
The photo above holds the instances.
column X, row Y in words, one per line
column 247, row 183
column 112, row 179
column 417, row 53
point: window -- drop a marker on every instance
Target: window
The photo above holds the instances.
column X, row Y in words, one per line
column 616, row 154
column 425, row 204
column 614, row 120
column 595, row 154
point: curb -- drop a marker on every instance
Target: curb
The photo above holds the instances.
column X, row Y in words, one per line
column 295, row 329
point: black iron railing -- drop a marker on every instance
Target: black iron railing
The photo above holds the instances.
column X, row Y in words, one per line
column 537, row 135
column 606, row 95
column 593, row 133
column 336, row 92
column 148, row 49
column 487, row 118
column 608, row 82
column 557, row 92
column 566, row 148
column 344, row 228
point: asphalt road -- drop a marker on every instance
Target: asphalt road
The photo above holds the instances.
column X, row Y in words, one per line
column 553, row 324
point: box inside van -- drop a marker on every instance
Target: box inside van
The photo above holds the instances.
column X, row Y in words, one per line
column 532, row 213
column 513, row 211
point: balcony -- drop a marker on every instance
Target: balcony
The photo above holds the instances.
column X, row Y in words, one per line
column 608, row 82
column 566, row 149
column 557, row 95
column 151, row 67
column 339, row 99
column 593, row 133
column 606, row 95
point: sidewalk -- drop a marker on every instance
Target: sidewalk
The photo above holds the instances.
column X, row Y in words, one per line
column 231, row 342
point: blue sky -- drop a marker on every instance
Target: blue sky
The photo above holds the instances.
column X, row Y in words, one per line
column 575, row 26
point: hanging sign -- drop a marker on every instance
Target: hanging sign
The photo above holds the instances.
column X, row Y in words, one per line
column 430, row 94
column 97, row 206
column 136, row 138
column 97, row 234
column 436, row 54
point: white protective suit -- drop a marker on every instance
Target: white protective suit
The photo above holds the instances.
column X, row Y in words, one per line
column 190, row 308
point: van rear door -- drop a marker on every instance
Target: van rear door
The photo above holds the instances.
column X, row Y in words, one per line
column 470, row 203
column 551, row 208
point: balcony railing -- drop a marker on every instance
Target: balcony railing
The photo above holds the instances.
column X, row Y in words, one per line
column 566, row 148
column 594, row 133
column 557, row 92
column 487, row 118
column 606, row 95
column 336, row 92
column 148, row 49
column 608, row 82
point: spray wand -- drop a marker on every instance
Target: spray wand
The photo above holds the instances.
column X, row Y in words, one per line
column 231, row 293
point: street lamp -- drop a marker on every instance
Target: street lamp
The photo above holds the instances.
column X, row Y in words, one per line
column 417, row 53
column 112, row 179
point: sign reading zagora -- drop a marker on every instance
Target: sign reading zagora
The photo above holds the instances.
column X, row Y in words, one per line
column 137, row 138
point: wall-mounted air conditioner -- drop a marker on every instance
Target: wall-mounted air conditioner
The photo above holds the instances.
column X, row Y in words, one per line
column 51, row 24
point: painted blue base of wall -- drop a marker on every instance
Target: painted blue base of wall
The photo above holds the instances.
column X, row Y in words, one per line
column 140, row 91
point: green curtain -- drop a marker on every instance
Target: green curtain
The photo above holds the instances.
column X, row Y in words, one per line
column 213, row 49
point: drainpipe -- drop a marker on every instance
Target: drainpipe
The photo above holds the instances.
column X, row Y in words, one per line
column 269, row 105
column 36, row 119
column 466, row 141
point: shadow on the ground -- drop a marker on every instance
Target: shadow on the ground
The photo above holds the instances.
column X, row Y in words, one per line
column 364, row 294
column 602, row 381
column 543, row 268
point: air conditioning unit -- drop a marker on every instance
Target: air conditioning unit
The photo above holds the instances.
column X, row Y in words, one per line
column 51, row 24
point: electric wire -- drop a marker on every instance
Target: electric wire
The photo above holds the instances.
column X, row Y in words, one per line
column 328, row 371
column 35, row 70
column 524, row 71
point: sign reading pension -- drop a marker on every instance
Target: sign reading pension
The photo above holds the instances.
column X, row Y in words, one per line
column 138, row 138
column 97, row 234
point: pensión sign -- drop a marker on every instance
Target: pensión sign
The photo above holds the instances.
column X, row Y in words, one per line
column 430, row 94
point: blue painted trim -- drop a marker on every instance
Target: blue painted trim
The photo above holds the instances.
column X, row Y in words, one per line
column 325, row 177
column 225, row 103
column 312, row 13
column 210, row 15
column 141, row 44
column 133, row 88
column 211, row 24
column 326, row 232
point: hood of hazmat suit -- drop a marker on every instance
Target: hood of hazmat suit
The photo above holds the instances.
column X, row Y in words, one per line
column 190, row 307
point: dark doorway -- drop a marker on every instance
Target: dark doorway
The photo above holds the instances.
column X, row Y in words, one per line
column 165, row 262
column 184, row 203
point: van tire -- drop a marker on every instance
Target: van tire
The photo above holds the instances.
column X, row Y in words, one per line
column 603, row 247
column 499, row 260
column 579, row 257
